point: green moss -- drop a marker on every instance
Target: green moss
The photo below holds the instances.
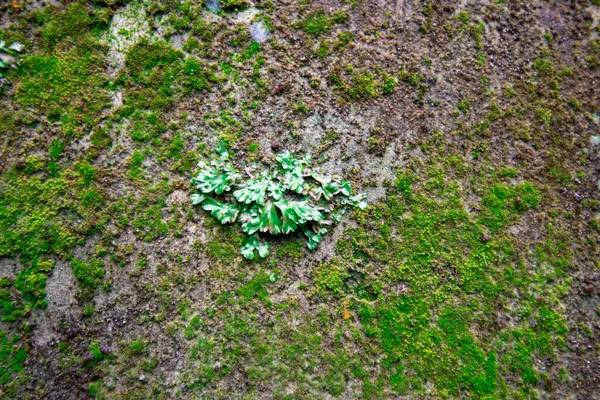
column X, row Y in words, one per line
column 33, row 164
column 319, row 22
column 451, row 284
column 12, row 359
column 176, row 147
column 8, row 309
column 592, row 61
column 253, row 147
column 88, row 274
column 294, row 250
column 69, row 87
column 158, row 75
column 95, row 351
column 89, row 310
column 344, row 38
column 253, row 49
column 509, row 172
column 543, row 65
column 101, row 138
column 363, row 86
column 404, row 183
column 144, row 57
column 190, row 330
column 477, row 31
column 376, row 143
column 32, row 286
column 329, row 277
column 56, row 149
column 149, row 365
column 86, row 173
column 561, row 175
column 137, row 347
column 256, row 288
column 544, row 115
column 192, row 44
column 389, row 84
column 36, row 219
column 91, row 199
column 234, row 5
column 71, row 24
column 410, row 78
column 477, row 371
column 94, row 389
column 323, row 50
column 222, row 251
column 503, row 204
column 300, row 107
column 135, row 163
column 149, row 223
column 463, row 106
column 29, row 224
column 316, row 23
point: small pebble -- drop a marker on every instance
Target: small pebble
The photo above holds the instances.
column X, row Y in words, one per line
column 588, row 288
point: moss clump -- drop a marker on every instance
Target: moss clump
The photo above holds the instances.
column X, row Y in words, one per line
column 222, row 251
column 64, row 80
column 86, row 173
column 144, row 57
column 101, row 137
column 363, row 86
column 319, row 22
column 12, row 359
column 463, row 106
column 9, row 310
column 329, row 277
column 31, row 284
column 67, row 26
column 292, row 249
column 29, row 222
column 42, row 215
column 255, row 287
column 149, row 223
column 56, row 149
column 137, row 347
column 503, row 204
column 89, row 274
column 344, row 38
column 592, row 61
column 509, row 172
column 69, row 88
column 33, row 164
column 234, row 5
column 158, row 75
column 442, row 280
column 543, row 65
